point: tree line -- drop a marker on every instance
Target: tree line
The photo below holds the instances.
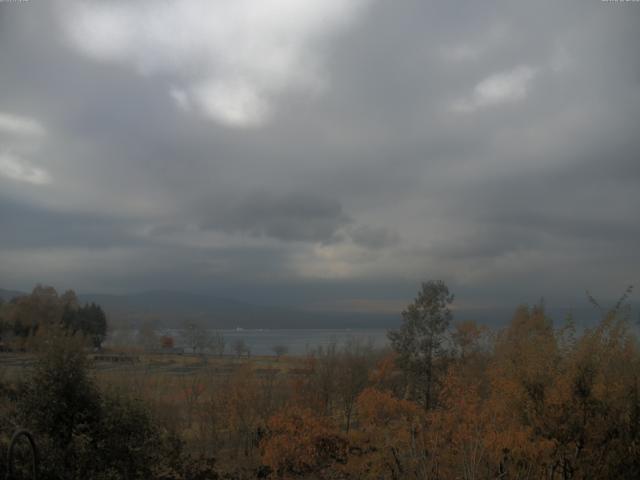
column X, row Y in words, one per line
column 26, row 318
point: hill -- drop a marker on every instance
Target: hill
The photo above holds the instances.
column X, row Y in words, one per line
column 172, row 308
column 7, row 295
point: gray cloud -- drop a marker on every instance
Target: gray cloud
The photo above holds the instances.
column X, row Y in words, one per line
column 492, row 145
column 32, row 226
column 289, row 217
column 374, row 237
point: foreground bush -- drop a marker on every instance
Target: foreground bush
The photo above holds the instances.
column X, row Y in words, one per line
column 83, row 433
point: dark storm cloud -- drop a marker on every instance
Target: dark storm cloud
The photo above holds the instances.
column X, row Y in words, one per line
column 290, row 217
column 492, row 144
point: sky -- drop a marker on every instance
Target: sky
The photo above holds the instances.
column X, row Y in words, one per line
column 326, row 155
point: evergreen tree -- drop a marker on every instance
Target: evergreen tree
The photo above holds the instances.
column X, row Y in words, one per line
column 419, row 341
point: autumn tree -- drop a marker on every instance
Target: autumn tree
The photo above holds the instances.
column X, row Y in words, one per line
column 322, row 382
column 419, row 342
column 593, row 409
column 388, row 443
column 471, row 344
column 299, row 442
column 211, row 412
column 521, row 375
column 352, row 376
column 192, row 386
column 467, row 338
column 242, row 405
column 43, row 309
column 386, row 375
column 28, row 313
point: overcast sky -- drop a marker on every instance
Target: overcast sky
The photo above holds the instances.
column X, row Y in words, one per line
column 329, row 154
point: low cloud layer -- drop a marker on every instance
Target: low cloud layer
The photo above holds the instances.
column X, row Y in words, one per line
column 321, row 153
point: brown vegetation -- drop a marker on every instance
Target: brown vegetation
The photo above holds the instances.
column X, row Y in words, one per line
column 527, row 401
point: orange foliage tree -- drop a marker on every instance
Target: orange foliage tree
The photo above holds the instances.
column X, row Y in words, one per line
column 388, row 441
column 300, row 442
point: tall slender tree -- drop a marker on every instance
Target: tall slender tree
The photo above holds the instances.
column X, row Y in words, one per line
column 419, row 342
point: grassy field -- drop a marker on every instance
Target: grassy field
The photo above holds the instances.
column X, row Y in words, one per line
column 14, row 363
column 187, row 393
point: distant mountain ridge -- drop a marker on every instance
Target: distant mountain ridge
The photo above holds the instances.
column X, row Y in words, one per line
column 7, row 295
column 171, row 309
